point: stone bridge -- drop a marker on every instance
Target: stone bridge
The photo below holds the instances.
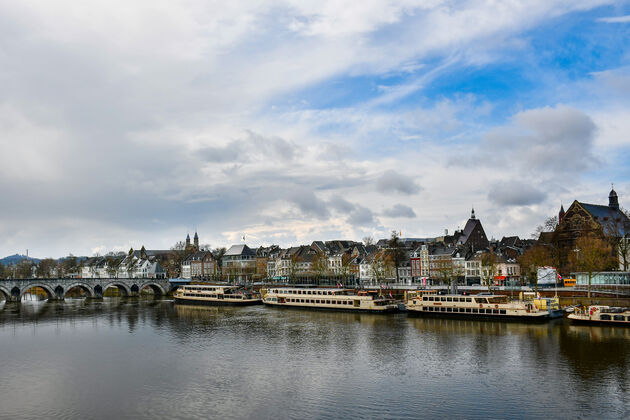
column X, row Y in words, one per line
column 56, row 289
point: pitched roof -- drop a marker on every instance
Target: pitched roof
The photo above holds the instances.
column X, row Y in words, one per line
column 609, row 217
column 512, row 241
column 236, row 250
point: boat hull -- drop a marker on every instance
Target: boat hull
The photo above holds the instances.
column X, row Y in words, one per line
column 332, row 309
column 480, row 317
column 582, row 321
column 249, row 302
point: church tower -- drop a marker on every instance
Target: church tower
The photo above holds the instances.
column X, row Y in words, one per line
column 561, row 214
column 196, row 240
column 187, row 241
column 613, row 200
column 472, row 214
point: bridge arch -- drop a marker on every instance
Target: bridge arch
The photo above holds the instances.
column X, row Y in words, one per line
column 5, row 292
column 126, row 291
column 158, row 290
column 87, row 289
column 50, row 293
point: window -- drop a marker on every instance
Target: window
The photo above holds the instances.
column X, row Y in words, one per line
column 619, row 318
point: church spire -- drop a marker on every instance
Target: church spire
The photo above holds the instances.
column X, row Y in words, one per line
column 472, row 213
column 561, row 213
column 613, row 200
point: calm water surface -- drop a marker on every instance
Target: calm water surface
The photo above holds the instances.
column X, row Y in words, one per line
column 120, row 358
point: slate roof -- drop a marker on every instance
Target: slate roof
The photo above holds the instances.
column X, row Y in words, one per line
column 236, row 250
column 609, row 217
column 512, row 241
column 468, row 229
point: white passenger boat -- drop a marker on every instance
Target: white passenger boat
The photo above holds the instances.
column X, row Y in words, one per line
column 496, row 307
column 600, row 314
column 331, row 299
column 215, row 295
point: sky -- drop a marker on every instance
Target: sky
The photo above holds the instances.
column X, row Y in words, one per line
column 130, row 123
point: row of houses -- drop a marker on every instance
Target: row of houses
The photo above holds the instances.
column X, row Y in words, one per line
column 465, row 257
column 135, row 264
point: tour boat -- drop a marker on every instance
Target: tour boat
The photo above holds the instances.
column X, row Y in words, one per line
column 495, row 307
column 332, row 299
column 600, row 314
column 215, row 295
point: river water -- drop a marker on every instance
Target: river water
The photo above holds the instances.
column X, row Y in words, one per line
column 136, row 358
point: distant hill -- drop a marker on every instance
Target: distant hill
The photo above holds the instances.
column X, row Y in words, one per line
column 16, row 258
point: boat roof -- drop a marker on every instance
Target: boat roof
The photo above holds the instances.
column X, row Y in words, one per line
column 315, row 288
column 478, row 295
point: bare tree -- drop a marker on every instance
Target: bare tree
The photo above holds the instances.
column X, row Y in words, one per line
column 395, row 252
column 368, row 240
column 591, row 255
column 46, row 267
column 69, row 265
column 444, row 270
column 4, row 271
column 378, row 267
column 111, row 266
column 218, row 254
column 320, row 265
column 346, row 263
column 617, row 232
column 489, row 262
column 23, row 269
column 534, row 257
column 550, row 225
column 293, row 267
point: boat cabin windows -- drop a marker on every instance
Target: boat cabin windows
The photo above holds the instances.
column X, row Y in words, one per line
column 619, row 318
column 604, row 317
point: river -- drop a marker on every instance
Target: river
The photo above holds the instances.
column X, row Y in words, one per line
column 143, row 358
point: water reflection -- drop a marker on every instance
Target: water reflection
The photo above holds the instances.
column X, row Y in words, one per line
column 152, row 359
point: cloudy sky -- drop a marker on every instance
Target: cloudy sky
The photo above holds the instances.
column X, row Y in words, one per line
column 125, row 123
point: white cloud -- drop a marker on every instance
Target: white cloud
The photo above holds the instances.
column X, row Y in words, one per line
column 128, row 123
column 615, row 19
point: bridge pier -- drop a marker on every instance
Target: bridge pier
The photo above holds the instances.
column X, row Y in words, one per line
column 59, row 294
column 98, row 292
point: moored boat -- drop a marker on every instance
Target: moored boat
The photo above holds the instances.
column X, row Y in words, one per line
column 495, row 307
column 329, row 299
column 551, row 304
column 215, row 295
column 601, row 314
